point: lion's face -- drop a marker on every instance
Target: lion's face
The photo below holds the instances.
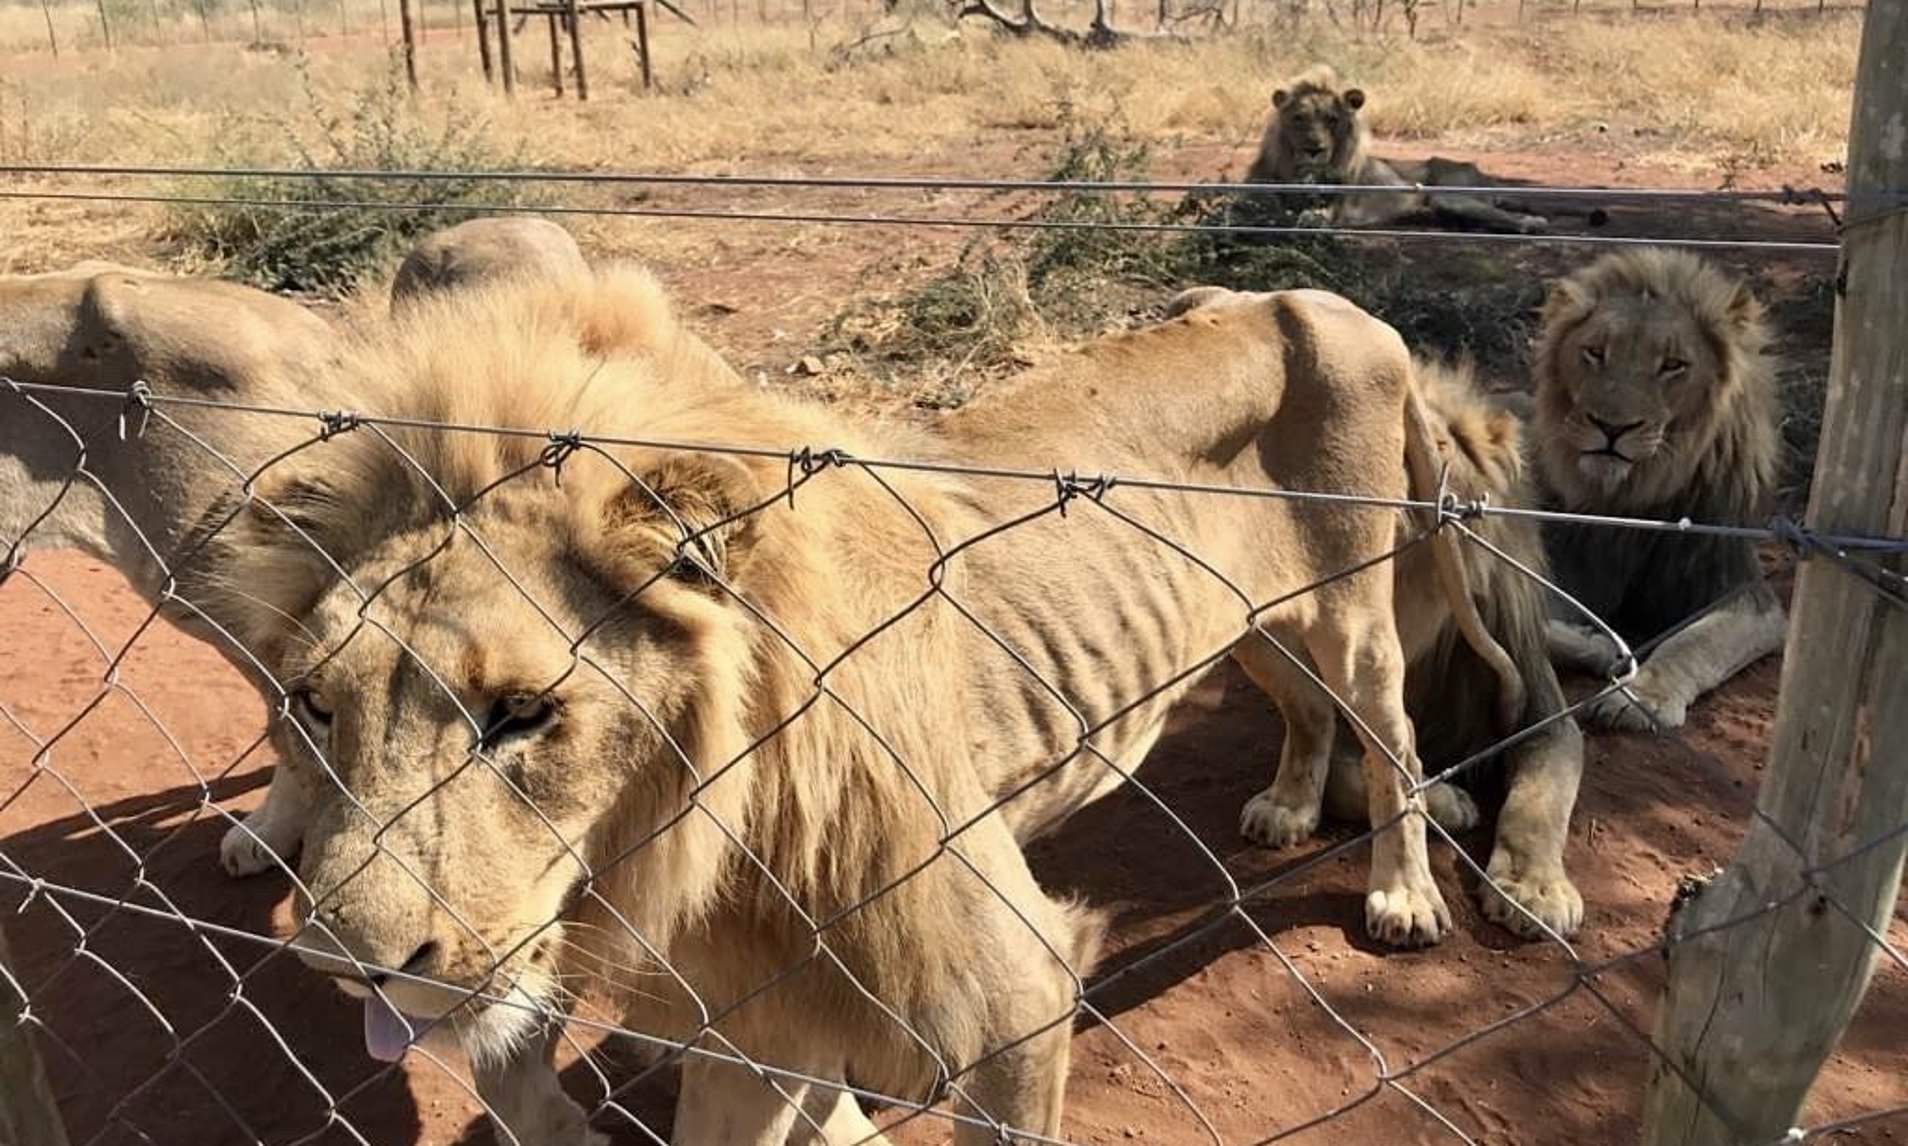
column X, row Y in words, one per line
column 1317, row 131
column 1625, row 377
column 494, row 744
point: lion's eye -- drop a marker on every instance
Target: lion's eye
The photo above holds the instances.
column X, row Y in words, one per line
column 307, row 704
column 1593, row 355
column 519, row 714
column 1672, row 367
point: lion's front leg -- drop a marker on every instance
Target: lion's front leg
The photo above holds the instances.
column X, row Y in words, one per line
column 526, row 1102
column 1527, row 864
column 724, row 1104
column 270, row 836
column 1581, row 648
column 1713, row 648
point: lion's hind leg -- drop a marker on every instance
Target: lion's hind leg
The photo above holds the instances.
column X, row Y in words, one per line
column 1361, row 660
column 1476, row 213
column 1287, row 811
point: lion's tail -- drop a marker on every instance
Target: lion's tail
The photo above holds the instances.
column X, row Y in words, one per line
column 1081, row 932
column 1421, row 460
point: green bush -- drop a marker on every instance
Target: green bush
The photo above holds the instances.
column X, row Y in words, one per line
column 321, row 235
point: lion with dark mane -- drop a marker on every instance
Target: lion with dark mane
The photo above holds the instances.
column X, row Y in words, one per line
column 1655, row 399
column 1318, row 136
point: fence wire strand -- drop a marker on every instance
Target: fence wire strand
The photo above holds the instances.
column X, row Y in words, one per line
column 84, row 911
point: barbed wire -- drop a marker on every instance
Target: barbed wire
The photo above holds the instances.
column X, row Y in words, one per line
column 952, row 222
column 1781, row 530
column 1785, row 195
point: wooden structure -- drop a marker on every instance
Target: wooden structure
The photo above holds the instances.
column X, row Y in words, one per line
column 564, row 18
column 1768, row 962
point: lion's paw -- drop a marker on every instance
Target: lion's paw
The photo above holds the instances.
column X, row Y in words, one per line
column 1550, row 899
column 248, row 849
column 1315, row 217
column 1532, row 224
column 1642, row 706
column 1408, row 912
column 1267, row 820
column 1452, row 808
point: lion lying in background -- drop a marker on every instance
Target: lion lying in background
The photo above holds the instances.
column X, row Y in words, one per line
column 1316, row 136
column 1451, row 693
column 990, row 664
column 1655, row 399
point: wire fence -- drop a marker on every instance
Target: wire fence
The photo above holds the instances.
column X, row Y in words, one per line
column 1093, row 738
column 981, row 544
column 344, row 191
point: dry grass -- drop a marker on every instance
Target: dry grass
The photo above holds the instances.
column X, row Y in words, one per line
column 1706, row 88
column 1713, row 96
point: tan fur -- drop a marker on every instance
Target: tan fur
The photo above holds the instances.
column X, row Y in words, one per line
column 156, row 501
column 1668, row 353
column 483, row 249
column 1455, row 696
column 154, row 498
column 1317, row 136
column 770, row 725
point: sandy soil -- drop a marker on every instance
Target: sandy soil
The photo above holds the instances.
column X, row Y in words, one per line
column 205, row 1038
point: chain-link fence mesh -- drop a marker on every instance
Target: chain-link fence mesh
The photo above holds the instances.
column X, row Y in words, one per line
column 174, row 1005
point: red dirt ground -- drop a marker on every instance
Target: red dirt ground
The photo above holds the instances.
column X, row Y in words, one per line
column 128, row 808
column 1221, row 1016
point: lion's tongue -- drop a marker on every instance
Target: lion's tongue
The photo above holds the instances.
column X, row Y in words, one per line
column 386, row 1032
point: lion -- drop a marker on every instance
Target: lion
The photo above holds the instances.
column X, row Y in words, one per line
column 155, row 487
column 1655, row 399
column 1316, row 136
column 479, row 250
column 775, row 722
column 1451, row 692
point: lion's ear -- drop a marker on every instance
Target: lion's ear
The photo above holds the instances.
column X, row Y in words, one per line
column 1354, row 98
column 703, row 507
column 280, row 549
column 1279, row 96
column 1744, row 308
column 1565, row 305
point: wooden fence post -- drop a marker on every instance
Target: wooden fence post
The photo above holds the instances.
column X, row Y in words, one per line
column 642, row 44
column 483, row 41
column 410, row 43
column 28, row 1114
column 1757, row 999
column 504, row 62
column 576, row 50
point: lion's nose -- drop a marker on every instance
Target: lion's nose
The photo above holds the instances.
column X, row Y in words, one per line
column 1614, row 431
column 419, row 962
column 367, row 953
